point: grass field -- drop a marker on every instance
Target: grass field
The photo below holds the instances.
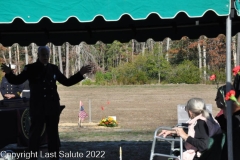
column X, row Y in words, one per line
column 137, row 108
column 139, row 111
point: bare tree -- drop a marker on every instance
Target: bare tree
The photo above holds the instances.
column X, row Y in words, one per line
column 200, row 59
column 34, row 54
column 54, row 54
column 238, row 49
column 4, row 58
column 60, row 58
column 18, row 59
column 204, row 62
column 26, row 55
column 234, row 51
column 67, row 59
column 132, row 48
column 10, row 54
column 15, row 54
column 168, row 44
column 143, row 44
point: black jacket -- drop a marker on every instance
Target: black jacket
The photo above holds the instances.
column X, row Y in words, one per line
column 235, row 135
column 7, row 88
column 44, row 98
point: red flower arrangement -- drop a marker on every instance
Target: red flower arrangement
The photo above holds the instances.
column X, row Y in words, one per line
column 213, row 77
column 236, row 70
column 231, row 96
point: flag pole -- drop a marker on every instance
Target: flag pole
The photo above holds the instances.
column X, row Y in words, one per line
column 228, row 86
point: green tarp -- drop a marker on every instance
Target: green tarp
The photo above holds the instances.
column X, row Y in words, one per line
column 237, row 6
column 32, row 11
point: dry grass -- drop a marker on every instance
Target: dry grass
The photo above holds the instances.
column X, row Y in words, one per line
column 138, row 108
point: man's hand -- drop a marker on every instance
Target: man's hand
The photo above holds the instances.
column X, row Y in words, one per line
column 85, row 69
column 9, row 96
column 5, row 68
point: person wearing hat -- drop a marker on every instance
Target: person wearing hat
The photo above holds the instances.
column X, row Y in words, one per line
column 44, row 99
column 222, row 120
column 10, row 91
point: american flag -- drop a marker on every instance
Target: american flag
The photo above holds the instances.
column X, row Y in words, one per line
column 82, row 113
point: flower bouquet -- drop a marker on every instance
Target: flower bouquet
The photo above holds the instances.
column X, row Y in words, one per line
column 108, row 122
column 236, row 70
column 231, row 96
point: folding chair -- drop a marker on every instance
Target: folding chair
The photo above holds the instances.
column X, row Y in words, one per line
column 182, row 114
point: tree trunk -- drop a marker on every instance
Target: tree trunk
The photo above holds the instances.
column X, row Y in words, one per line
column 4, row 58
column 168, row 41
column 67, row 59
column 54, row 54
column 15, row 56
column 132, row 49
column 200, row 59
column 34, row 55
column 238, row 49
column 159, row 69
column 77, row 62
column 143, row 48
column 151, row 44
column 103, row 57
column 234, row 51
column 60, row 58
column 26, row 55
column 80, row 64
column 204, row 63
column 18, row 60
column 10, row 54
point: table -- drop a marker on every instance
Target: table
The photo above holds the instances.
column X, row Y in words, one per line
column 15, row 123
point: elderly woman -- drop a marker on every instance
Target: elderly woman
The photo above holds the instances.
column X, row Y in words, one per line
column 201, row 126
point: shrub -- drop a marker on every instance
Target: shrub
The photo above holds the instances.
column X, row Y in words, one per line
column 186, row 72
column 87, row 82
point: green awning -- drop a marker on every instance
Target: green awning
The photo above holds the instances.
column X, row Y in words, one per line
column 74, row 21
column 237, row 6
column 59, row 11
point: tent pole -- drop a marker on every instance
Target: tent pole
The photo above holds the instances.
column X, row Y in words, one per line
column 228, row 86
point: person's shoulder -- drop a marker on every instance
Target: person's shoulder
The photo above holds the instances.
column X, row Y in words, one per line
column 201, row 122
column 4, row 79
column 53, row 65
column 220, row 118
column 29, row 66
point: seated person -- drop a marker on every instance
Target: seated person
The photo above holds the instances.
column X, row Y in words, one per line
column 10, row 91
column 201, row 126
column 220, row 102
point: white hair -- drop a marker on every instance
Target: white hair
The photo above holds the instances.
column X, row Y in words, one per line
column 197, row 106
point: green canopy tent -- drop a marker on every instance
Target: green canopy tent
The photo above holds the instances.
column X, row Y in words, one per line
column 73, row 21
column 43, row 21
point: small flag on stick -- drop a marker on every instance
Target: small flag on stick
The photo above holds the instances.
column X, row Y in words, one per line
column 82, row 114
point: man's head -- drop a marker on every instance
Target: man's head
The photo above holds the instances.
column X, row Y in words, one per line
column 43, row 54
column 220, row 97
